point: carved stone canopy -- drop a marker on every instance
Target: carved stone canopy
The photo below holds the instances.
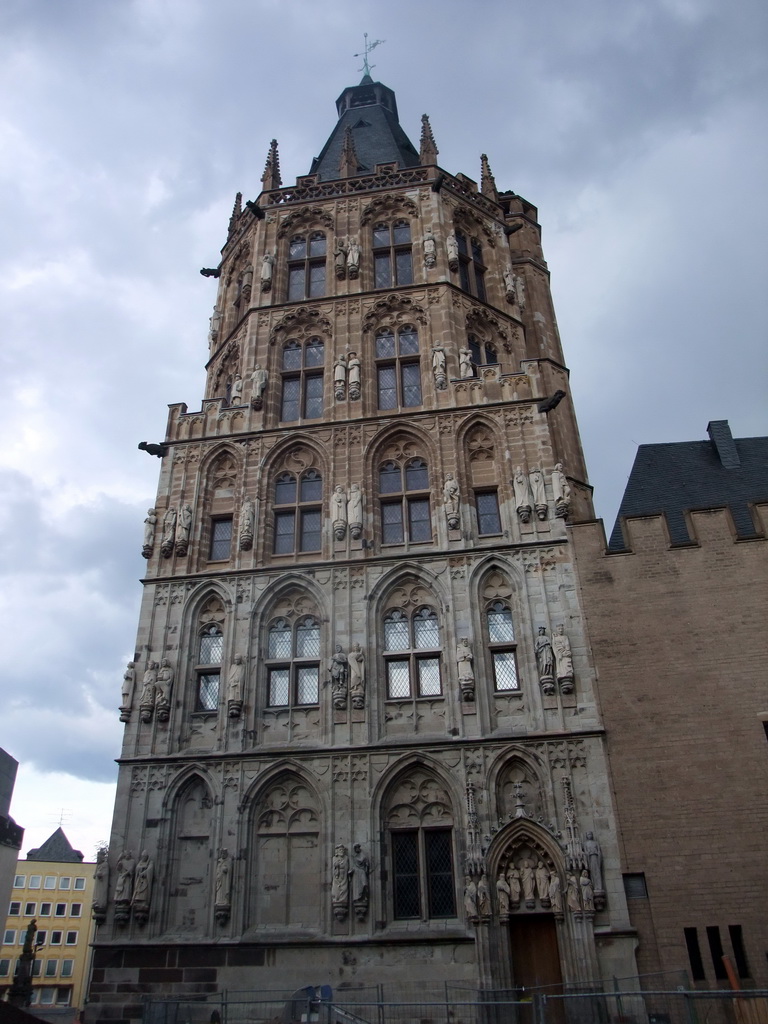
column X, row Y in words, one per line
column 393, row 310
column 385, row 206
column 301, row 323
column 306, row 217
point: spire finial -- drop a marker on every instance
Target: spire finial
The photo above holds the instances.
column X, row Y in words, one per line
column 427, row 149
column 349, row 163
column 271, row 177
column 487, row 180
column 237, row 209
column 366, row 68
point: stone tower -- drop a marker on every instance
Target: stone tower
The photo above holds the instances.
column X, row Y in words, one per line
column 361, row 739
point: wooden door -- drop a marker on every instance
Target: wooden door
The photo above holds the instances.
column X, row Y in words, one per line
column 536, row 960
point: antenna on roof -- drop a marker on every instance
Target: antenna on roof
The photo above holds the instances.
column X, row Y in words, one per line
column 366, row 68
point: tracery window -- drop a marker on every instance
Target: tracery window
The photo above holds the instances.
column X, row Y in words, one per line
column 405, row 502
column 293, row 665
column 398, row 371
column 306, row 266
column 392, row 260
column 298, row 512
column 302, row 380
column 412, row 653
column 502, row 645
column 210, row 649
column 471, row 265
column 483, row 353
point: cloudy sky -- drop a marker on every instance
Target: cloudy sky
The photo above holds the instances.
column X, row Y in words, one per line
column 127, row 126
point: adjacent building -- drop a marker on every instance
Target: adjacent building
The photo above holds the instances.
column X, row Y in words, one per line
column 11, row 834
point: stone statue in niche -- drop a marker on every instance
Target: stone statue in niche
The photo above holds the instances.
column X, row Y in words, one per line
column 509, row 284
column 572, row 897
column 259, row 379
column 183, row 526
column 561, row 491
column 126, row 695
column 466, row 366
column 528, row 882
column 340, row 258
column 357, row 676
column 142, row 889
column 126, row 865
column 353, row 258
column 215, row 323
column 483, row 897
column 236, row 393
column 223, row 890
column 235, row 681
column 520, row 291
column 502, row 894
column 355, row 512
column 470, row 897
column 247, row 283
column 587, row 892
column 148, row 685
column 340, row 378
column 169, row 532
column 594, row 856
column 522, row 495
column 149, row 533
column 555, row 894
column 100, row 887
column 339, row 512
column 539, row 493
column 542, row 883
column 430, row 250
column 359, row 875
column 267, row 263
column 439, row 368
column 339, row 669
column 163, row 688
column 340, row 883
column 545, row 662
column 247, row 524
column 353, row 376
column 452, row 245
column 466, row 672
column 515, row 888
column 451, row 501
column 561, row 646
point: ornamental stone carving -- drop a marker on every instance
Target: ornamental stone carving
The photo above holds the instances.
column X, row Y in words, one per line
column 522, row 495
column 247, row 524
column 561, row 491
column 126, row 695
column 561, row 647
column 142, row 889
column 339, row 512
column 340, row 883
column 439, row 368
column 359, row 872
column 451, row 501
column 539, row 493
column 169, row 532
column 545, row 662
column 356, row 676
column 353, row 376
column 163, row 687
column 235, row 681
column 464, row 665
column 340, row 378
column 355, row 512
column 339, row 669
column 150, row 523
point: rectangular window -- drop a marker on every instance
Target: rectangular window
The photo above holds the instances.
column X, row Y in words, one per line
column 40, row 936
column 716, row 952
column 9, row 936
column 307, row 684
column 488, row 519
column 79, row 883
column 411, row 384
column 285, row 528
column 423, row 864
column 67, row 968
column 71, row 938
column 405, row 859
column 51, row 967
column 392, row 522
column 291, row 397
column 739, row 953
column 65, row 883
column 221, row 543
column 387, row 382
column 19, row 881
column 37, row 968
column 437, row 844
column 313, row 397
column 403, row 266
column 316, row 280
column 419, row 525
column 694, row 954
column 30, row 909
column 5, row 968
column 14, row 909
column 45, row 909
column 296, row 283
column 35, row 881
column 382, row 270
column 311, row 524
column 61, row 910
column 208, row 691
column 76, row 910
column 429, row 677
column 50, row 882
column 56, row 938
column 505, row 671
column 279, row 687
column 47, row 996
column 398, row 678
column 635, row 887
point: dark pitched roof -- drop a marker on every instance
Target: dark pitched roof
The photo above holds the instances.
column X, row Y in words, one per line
column 675, row 478
column 56, row 847
column 370, row 111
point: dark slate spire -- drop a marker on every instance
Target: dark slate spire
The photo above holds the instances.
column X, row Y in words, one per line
column 56, row 848
column 369, row 111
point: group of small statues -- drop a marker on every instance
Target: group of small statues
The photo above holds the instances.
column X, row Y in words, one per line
column 348, row 677
column 175, row 531
column 155, row 697
column 347, row 512
column 346, row 257
column 133, row 888
column 349, row 877
column 530, row 493
column 554, row 661
column 346, row 374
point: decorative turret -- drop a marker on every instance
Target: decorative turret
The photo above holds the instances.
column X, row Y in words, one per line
column 237, row 209
column 487, row 180
column 349, row 163
column 271, row 179
column 427, row 149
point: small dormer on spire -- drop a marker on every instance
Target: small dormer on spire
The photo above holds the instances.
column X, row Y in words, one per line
column 271, row 179
column 428, row 148
column 349, row 163
column 487, row 180
column 237, row 209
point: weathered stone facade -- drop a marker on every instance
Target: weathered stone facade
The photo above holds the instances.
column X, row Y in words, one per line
column 358, row 747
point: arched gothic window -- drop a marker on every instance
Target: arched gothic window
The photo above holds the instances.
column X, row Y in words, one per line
column 302, row 380
column 412, row 653
column 293, row 665
column 398, row 371
column 210, row 649
column 483, row 353
column 298, row 512
column 405, row 502
column 392, row 261
column 500, row 631
column 471, row 266
column 306, row 267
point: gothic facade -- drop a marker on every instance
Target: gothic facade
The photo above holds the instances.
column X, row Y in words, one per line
column 362, row 742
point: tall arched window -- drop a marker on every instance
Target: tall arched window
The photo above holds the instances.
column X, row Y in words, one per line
column 405, row 502
column 306, row 267
column 298, row 512
column 302, row 380
column 502, row 645
column 293, row 666
column 210, row 649
column 392, row 261
column 471, row 266
column 412, row 653
column 398, row 371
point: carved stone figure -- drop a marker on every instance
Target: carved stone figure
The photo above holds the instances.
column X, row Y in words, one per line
column 483, row 897
column 587, row 892
column 561, row 490
column 236, row 391
column 259, row 379
column 572, row 897
column 340, row 258
column 430, row 250
column 520, row 291
column 466, row 672
column 340, row 883
column 357, row 676
column 163, row 691
column 183, row 526
column 355, row 512
column 502, row 894
column 247, row 283
column 100, row 887
column 561, row 646
column 169, row 532
column 542, row 883
column 527, row 880
column 555, row 895
column 515, row 888
column 126, row 696
column 147, row 699
column 340, row 377
column 509, row 284
column 149, row 533
column 267, row 263
column 359, row 875
column 126, row 865
column 594, row 856
column 235, row 681
column 466, row 366
column 142, row 889
column 247, row 524
column 539, row 493
column 353, row 376
column 522, row 495
column 439, row 368
column 452, row 245
column 339, row 512
column 353, row 258
column 215, row 323
column 339, row 668
column 223, row 895
column 470, row 897
column 451, row 501
column 545, row 661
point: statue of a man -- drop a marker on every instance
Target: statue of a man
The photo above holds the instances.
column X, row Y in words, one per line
column 353, row 375
column 340, row 882
column 483, row 897
column 572, row 897
column 466, row 366
column 528, row 881
column 147, row 699
column 126, row 865
column 464, row 665
column 183, row 526
column 340, row 376
column 430, row 250
column 163, row 690
column 100, row 887
column 339, row 512
column 539, row 493
column 357, row 676
column 587, row 892
column 451, row 501
column 340, row 257
column 169, row 532
column 236, row 392
column 439, row 367
column 561, row 647
column 129, row 682
column 515, row 888
column 142, row 888
column 149, row 533
column 267, row 262
column 359, row 873
column 338, row 668
column 594, row 856
column 223, row 879
column 353, row 257
column 542, row 881
column 452, row 245
column 509, row 284
column 555, row 894
column 247, row 523
column 502, row 893
column 561, row 491
column 522, row 494
column 235, row 681
column 545, row 660
column 470, row 896
column 355, row 511
column 215, row 323
column 259, row 379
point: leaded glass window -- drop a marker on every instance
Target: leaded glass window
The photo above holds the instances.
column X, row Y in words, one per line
column 501, row 640
column 392, row 259
column 418, row 674
column 306, row 267
column 398, row 370
column 471, row 265
column 297, row 646
column 210, row 653
column 302, row 380
column 298, row 512
column 488, row 518
column 422, row 861
column 405, row 512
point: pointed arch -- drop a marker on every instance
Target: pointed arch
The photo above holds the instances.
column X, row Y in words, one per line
column 517, row 784
column 192, row 839
column 295, row 478
column 501, row 621
column 207, row 623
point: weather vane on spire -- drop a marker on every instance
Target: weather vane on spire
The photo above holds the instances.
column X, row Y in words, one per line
column 366, row 68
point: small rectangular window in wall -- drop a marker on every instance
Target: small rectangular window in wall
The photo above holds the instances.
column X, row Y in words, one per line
column 19, row 881
column 488, row 519
column 14, row 909
column 67, row 968
column 5, row 968
column 739, row 952
column 79, row 883
column 35, row 881
column 30, row 909
column 9, row 936
column 71, row 938
column 221, row 539
column 45, row 909
column 694, row 954
column 51, row 967
column 716, row 951
column 50, row 881
column 635, row 887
